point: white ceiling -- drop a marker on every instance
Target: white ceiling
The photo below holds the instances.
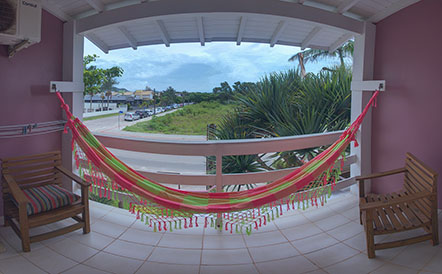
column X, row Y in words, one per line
column 324, row 24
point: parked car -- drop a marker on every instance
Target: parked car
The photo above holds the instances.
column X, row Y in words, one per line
column 150, row 112
column 129, row 116
column 142, row 113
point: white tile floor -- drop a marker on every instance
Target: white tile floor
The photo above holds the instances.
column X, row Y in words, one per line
column 318, row 240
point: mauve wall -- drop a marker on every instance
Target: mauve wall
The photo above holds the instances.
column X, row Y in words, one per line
column 409, row 114
column 24, row 90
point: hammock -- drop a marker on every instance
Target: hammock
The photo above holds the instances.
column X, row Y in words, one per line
column 168, row 208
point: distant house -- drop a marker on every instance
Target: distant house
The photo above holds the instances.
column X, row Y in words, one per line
column 144, row 94
column 114, row 101
column 136, row 98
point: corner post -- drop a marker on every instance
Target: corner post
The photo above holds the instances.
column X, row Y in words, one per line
column 363, row 67
column 72, row 71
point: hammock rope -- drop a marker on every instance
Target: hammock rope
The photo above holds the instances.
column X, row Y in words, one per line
column 165, row 208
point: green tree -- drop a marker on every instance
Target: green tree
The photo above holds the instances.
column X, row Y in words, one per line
column 92, row 77
column 224, row 92
column 98, row 79
column 314, row 55
column 109, row 76
column 242, row 87
column 168, row 96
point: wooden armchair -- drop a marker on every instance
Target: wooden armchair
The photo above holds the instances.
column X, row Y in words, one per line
column 32, row 197
column 412, row 208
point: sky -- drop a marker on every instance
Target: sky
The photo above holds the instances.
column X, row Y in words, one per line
column 192, row 67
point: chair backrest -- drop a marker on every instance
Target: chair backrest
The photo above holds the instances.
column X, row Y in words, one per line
column 33, row 170
column 419, row 177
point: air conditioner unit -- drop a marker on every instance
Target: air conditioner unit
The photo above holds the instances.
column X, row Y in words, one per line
column 20, row 23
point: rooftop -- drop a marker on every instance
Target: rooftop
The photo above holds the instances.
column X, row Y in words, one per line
column 319, row 240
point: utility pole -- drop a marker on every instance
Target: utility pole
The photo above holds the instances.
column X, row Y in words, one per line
column 154, row 104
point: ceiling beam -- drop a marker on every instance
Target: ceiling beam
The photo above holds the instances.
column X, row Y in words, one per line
column 277, row 33
column 201, row 34
column 241, row 28
column 310, row 37
column 163, row 32
column 344, row 38
column 129, row 37
column 397, row 6
column 174, row 7
column 54, row 10
column 96, row 4
column 98, row 42
column 346, row 5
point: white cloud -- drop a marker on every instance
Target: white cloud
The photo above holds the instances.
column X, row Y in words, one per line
column 195, row 68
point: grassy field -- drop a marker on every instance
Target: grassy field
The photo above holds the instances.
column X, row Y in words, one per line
column 190, row 120
column 100, row 116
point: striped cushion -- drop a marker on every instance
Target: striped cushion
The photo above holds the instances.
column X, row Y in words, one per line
column 48, row 197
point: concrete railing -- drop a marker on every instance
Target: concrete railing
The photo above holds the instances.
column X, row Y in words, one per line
column 219, row 149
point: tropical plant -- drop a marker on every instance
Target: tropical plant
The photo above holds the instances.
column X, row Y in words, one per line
column 314, row 55
column 285, row 104
column 322, row 104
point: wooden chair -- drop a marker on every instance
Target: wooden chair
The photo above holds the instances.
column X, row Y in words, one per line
column 32, row 197
column 413, row 208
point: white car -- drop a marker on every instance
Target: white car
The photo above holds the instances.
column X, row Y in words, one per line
column 129, row 116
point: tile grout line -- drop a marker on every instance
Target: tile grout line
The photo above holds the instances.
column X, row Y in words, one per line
column 250, row 253
column 202, row 248
column 300, row 253
column 153, row 249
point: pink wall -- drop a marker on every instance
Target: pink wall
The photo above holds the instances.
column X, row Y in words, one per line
column 24, row 90
column 409, row 114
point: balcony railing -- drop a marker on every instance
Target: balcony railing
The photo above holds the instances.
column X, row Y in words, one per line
column 222, row 148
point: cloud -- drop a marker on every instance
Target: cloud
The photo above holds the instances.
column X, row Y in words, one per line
column 194, row 68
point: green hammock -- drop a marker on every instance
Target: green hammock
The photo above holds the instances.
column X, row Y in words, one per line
column 165, row 208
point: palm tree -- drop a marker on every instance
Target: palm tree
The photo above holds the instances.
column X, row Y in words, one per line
column 314, row 55
column 108, row 95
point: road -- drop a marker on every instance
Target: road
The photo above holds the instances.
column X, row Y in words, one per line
column 148, row 161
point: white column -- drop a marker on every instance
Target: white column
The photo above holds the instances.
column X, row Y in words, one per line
column 72, row 71
column 363, row 66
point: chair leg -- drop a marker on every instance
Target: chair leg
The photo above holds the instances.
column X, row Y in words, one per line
column 24, row 229
column 369, row 235
column 87, row 224
column 434, row 224
column 85, row 214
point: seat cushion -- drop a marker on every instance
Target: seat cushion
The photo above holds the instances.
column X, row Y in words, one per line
column 48, row 197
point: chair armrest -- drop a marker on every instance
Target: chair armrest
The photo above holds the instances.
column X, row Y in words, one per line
column 395, row 201
column 16, row 192
column 381, row 174
column 73, row 176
